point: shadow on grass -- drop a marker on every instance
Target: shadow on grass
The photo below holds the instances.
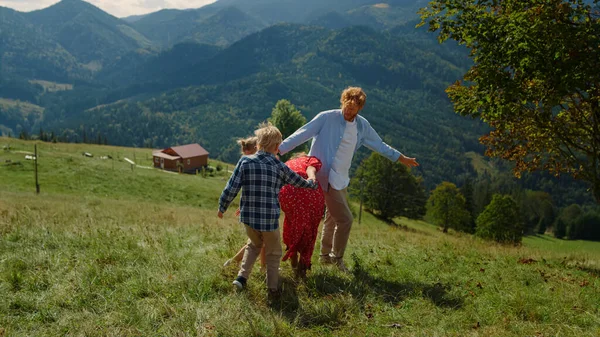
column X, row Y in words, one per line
column 335, row 299
column 539, row 236
column 592, row 271
column 392, row 223
column 393, row 292
column 287, row 303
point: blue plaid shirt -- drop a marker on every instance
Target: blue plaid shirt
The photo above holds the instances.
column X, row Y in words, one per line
column 260, row 177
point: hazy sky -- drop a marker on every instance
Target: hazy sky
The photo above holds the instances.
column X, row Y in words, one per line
column 118, row 8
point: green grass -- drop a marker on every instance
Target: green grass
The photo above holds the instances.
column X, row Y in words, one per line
column 110, row 252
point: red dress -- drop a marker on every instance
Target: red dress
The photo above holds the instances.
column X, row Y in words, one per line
column 303, row 208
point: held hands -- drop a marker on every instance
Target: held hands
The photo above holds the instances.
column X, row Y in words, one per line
column 410, row 162
column 311, row 172
column 220, row 214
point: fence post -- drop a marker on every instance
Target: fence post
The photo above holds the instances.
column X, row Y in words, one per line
column 37, row 185
column 362, row 183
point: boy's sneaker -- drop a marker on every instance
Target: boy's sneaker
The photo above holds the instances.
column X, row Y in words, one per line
column 239, row 282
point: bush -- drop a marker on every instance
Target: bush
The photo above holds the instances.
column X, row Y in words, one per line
column 585, row 227
column 447, row 208
column 500, row 221
column 563, row 225
column 560, row 228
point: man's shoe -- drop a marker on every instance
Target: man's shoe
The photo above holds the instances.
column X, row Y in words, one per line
column 239, row 282
column 273, row 294
column 326, row 259
column 339, row 262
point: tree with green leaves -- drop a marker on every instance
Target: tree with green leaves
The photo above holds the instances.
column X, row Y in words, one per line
column 500, row 221
column 468, row 191
column 534, row 79
column 288, row 119
column 389, row 188
column 446, row 207
column 538, row 210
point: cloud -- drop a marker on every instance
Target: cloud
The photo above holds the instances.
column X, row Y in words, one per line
column 118, row 8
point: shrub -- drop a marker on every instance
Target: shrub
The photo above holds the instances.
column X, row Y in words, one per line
column 500, row 221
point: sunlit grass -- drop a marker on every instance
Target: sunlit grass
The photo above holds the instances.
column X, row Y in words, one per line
column 111, row 252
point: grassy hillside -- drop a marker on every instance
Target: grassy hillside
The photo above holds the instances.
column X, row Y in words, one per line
column 107, row 251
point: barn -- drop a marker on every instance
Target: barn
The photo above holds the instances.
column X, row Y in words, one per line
column 185, row 158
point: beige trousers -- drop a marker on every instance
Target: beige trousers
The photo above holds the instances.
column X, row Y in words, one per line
column 338, row 221
column 272, row 243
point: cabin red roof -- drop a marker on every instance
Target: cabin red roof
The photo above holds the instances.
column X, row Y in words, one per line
column 186, row 151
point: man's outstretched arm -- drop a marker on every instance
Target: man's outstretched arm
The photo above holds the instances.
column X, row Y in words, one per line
column 375, row 143
column 303, row 134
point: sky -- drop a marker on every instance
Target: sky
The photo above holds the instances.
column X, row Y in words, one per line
column 118, row 8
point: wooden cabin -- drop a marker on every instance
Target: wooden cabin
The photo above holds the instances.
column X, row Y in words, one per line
column 185, row 158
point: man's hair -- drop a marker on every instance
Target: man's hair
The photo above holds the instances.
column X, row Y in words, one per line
column 248, row 144
column 353, row 93
column 268, row 136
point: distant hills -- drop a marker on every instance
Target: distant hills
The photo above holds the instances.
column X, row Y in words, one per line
column 29, row 52
column 211, row 74
column 74, row 40
column 91, row 35
column 224, row 94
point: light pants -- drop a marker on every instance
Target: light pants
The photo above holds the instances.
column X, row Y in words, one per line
column 272, row 243
column 338, row 221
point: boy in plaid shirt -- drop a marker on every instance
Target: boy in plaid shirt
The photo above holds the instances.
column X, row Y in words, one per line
column 260, row 177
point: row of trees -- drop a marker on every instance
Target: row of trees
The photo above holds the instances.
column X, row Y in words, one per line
column 491, row 210
column 507, row 217
column 67, row 136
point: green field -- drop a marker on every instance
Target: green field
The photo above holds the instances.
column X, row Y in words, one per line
column 105, row 250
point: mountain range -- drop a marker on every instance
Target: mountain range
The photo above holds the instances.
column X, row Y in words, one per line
column 210, row 75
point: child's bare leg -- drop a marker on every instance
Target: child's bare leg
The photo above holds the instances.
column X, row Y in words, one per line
column 240, row 255
column 237, row 258
column 294, row 260
column 263, row 259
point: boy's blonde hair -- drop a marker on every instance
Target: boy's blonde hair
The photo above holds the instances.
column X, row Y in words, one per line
column 355, row 94
column 269, row 137
column 248, row 144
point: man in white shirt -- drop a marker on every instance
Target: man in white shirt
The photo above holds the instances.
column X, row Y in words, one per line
column 337, row 134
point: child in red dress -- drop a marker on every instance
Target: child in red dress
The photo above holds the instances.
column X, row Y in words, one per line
column 303, row 210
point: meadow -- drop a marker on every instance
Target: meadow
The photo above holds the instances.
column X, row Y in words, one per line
column 105, row 250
